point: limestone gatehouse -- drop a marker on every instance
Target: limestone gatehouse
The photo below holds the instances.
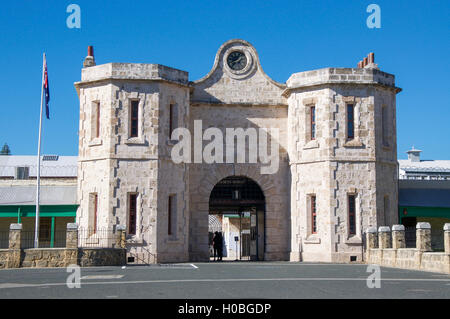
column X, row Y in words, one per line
column 337, row 158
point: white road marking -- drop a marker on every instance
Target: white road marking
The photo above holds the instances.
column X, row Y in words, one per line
column 17, row 285
column 13, row 285
column 102, row 277
column 194, row 266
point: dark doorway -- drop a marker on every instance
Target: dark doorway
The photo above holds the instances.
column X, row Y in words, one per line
column 237, row 210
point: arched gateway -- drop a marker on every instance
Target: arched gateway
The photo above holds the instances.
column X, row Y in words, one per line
column 331, row 173
column 238, row 203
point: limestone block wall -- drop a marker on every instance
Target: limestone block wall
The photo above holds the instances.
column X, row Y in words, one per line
column 116, row 164
column 4, row 253
column 275, row 187
column 249, row 86
column 139, row 177
column 173, row 179
column 94, row 178
column 339, row 167
column 387, row 253
column 203, row 176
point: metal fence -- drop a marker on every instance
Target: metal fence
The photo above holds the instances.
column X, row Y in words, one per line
column 55, row 240
column 97, row 238
column 410, row 237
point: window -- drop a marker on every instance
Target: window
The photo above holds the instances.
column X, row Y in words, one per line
column 173, row 118
column 350, row 121
column 352, row 214
column 93, row 212
column 384, row 126
column 313, row 214
column 96, row 120
column 134, row 118
column 313, row 122
column 172, row 218
column 22, row 172
column 132, row 209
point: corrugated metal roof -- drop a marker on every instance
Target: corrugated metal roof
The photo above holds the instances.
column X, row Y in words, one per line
column 424, row 197
column 64, row 166
column 49, row 195
column 425, row 166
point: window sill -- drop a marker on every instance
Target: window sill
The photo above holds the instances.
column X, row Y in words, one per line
column 386, row 148
column 135, row 141
column 312, row 239
column 354, row 240
column 311, row 144
column 96, row 142
column 133, row 239
column 354, row 143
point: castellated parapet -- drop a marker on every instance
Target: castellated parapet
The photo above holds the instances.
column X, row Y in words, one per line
column 348, row 178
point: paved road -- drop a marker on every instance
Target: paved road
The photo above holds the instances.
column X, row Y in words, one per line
column 224, row 281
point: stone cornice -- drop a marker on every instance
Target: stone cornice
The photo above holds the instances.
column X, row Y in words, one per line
column 340, row 76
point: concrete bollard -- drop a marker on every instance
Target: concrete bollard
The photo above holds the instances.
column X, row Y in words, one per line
column 384, row 237
column 398, row 237
column 121, row 236
column 447, row 238
column 72, row 235
column 371, row 238
column 423, row 236
column 15, row 236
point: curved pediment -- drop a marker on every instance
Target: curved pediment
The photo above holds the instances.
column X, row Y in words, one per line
column 237, row 78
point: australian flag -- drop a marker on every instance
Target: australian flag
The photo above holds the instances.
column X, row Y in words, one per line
column 46, row 89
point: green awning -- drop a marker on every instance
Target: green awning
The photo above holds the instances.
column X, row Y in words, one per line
column 44, row 210
column 416, row 211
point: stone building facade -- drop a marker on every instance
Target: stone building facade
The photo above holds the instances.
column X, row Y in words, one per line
column 127, row 114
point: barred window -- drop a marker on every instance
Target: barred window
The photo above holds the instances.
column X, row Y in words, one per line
column 313, row 122
column 313, row 214
column 134, row 118
column 172, row 212
column 173, row 118
column 132, row 210
column 351, row 214
column 350, row 121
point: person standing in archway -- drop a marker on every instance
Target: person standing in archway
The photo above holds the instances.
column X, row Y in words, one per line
column 220, row 247
column 216, row 245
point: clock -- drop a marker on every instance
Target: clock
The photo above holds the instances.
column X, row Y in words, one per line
column 237, row 60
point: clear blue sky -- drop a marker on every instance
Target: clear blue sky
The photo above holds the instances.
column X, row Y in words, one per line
column 290, row 36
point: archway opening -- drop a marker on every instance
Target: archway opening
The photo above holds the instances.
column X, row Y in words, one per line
column 237, row 212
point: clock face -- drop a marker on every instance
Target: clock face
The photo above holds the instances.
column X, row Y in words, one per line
column 237, row 60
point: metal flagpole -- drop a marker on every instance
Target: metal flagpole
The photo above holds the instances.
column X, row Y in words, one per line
column 38, row 175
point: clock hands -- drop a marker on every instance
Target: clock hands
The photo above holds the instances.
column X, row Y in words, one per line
column 236, row 60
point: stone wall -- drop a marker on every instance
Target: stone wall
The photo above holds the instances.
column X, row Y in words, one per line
column 4, row 254
column 419, row 258
column 15, row 257
column 330, row 166
column 88, row 257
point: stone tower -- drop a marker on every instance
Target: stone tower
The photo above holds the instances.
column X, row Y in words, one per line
column 124, row 155
column 336, row 171
column 342, row 148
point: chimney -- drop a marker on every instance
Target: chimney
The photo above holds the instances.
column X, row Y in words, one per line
column 371, row 57
column 89, row 60
column 91, row 51
column 414, row 155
